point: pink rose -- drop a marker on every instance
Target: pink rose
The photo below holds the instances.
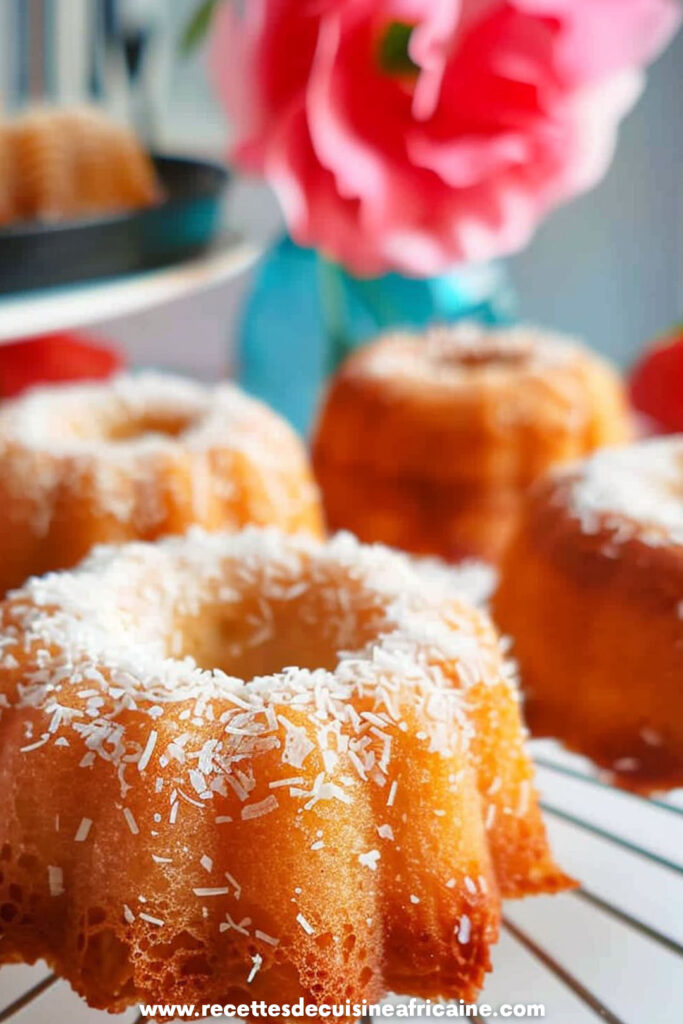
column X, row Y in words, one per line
column 411, row 135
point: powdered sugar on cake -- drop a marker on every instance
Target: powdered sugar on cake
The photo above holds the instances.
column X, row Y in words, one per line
column 148, row 411
column 636, row 491
column 451, row 354
column 471, row 580
column 111, row 441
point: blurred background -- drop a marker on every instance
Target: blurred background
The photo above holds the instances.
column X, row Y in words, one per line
column 608, row 266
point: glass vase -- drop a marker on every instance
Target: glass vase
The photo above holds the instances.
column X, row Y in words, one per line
column 304, row 315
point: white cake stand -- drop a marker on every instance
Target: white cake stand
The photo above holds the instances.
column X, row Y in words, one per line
column 84, row 305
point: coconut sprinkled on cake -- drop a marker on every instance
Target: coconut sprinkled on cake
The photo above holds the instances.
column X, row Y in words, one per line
column 116, row 442
column 237, row 700
column 471, row 580
column 636, row 491
column 94, row 649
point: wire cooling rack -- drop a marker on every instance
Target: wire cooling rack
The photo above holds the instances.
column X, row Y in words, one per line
column 611, row 951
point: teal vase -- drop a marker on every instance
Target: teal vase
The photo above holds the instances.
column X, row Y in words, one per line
column 304, row 315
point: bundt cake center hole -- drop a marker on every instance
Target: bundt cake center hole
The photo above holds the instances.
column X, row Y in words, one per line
column 133, row 428
column 246, row 649
column 484, row 353
column 259, row 638
column 470, row 347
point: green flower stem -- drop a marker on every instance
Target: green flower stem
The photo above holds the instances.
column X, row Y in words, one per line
column 197, row 27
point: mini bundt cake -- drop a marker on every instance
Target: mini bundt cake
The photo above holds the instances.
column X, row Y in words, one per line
column 592, row 593
column 184, row 817
column 427, row 443
column 59, row 163
column 138, row 457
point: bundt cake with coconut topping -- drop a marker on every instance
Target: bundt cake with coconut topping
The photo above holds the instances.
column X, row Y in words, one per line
column 592, row 593
column 256, row 765
column 428, row 442
column 138, row 457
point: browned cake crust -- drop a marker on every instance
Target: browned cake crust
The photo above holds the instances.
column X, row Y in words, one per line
column 428, row 443
column 592, row 593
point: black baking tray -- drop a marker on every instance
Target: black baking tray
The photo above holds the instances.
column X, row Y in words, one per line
column 36, row 254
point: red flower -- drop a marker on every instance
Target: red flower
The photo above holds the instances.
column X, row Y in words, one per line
column 657, row 383
column 52, row 358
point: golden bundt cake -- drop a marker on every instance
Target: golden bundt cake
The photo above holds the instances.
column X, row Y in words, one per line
column 592, row 593
column 427, row 443
column 138, row 457
column 6, row 190
column 60, row 163
column 185, row 816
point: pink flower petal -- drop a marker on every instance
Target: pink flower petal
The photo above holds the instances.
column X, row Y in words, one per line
column 513, row 108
